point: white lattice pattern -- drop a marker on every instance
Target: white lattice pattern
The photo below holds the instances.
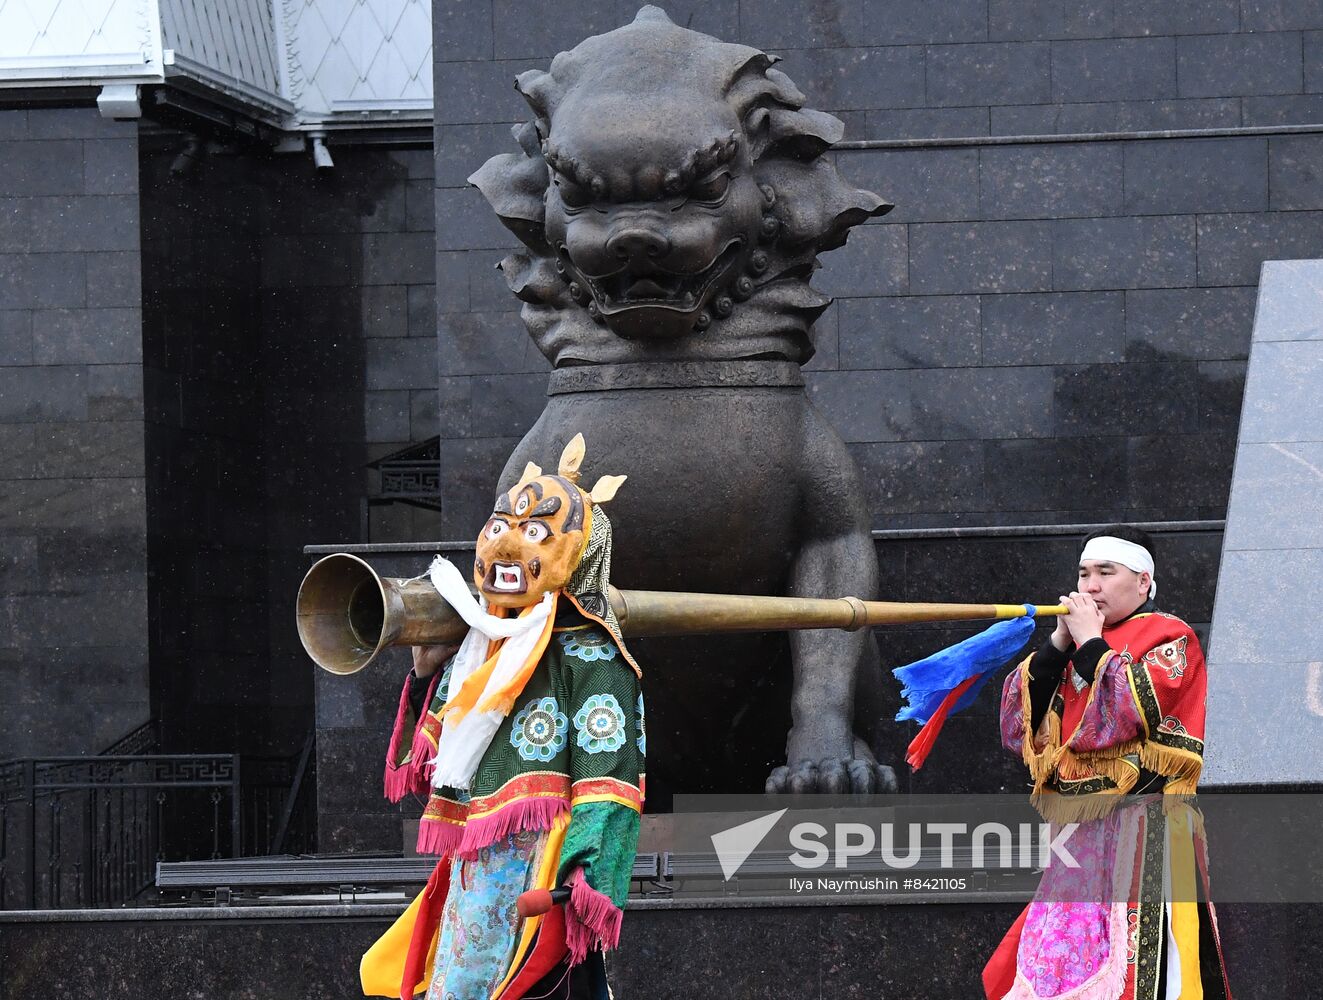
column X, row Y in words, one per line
column 64, row 32
column 233, row 37
column 371, row 52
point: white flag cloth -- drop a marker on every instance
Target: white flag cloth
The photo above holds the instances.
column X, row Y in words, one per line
column 463, row 743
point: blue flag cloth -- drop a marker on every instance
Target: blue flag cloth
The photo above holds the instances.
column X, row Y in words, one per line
column 925, row 683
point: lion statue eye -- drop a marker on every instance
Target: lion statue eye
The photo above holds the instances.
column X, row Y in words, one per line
column 571, row 194
column 710, row 189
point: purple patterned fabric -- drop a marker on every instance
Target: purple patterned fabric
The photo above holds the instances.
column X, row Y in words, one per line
column 1012, row 712
column 1111, row 718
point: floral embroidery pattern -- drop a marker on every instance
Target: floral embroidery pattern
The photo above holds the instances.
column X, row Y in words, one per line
column 539, row 730
column 1171, row 724
column 588, row 644
column 642, row 741
column 601, row 724
column 1169, row 657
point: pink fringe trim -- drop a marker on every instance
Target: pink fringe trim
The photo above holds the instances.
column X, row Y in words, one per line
column 522, row 814
column 435, row 837
column 401, row 779
column 592, row 921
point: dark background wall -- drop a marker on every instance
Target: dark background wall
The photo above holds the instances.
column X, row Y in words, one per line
column 73, row 527
column 1050, row 328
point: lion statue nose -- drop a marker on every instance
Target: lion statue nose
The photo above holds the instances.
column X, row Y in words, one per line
column 634, row 242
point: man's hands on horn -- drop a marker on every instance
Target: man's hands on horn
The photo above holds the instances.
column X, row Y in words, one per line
column 427, row 660
column 1084, row 621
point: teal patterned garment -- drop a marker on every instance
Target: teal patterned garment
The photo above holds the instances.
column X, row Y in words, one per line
column 479, row 925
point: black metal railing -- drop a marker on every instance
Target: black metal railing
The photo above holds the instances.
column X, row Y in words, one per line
column 87, row 832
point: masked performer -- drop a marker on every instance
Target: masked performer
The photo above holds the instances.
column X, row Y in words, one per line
column 1109, row 709
column 530, row 750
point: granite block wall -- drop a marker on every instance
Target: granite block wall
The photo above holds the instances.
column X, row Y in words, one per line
column 73, row 525
column 1042, row 330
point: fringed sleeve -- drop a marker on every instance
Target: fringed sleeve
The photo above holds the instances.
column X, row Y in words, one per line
column 1014, row 709
column 1112, row 718
column 410, row 751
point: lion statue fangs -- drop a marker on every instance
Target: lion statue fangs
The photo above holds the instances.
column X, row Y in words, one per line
column 672, row 193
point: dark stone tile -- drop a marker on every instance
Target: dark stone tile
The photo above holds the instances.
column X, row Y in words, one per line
column 424, row 417
column 462, row 30
column 1277, row 488
column 46, row 167
column 400, row 363
column 1282, row 391
column 1056, row 474
column 76, row 123
column 420, row 206
column 925, row 185
column 1188, row 324
column 1054, row 119
column 420, row 309
column 462, row 149
column 86, row 336
column 1160, row 17
column 385, row 311
column 110, row 166
column 523, row 32
column 1181, row 469
column 470, row 468
column 1280, row 15
column 486, row 344
column 15, row 292
column 991, row 73
column 473, row 93
column 114, row 392
column 1249, row 596
column 1050, row 181
column 1121, row 399
column 1114, row 69
column 1313, row 60
column 873, row 262
column 386, row 416
column 84, row 223
column 718, row 18
column 920, row 476
column 398, row 258
column 418, row 163
column 507, row 405
column 13, row 124
column 57, row 280
column 906, row 22
column 778, row 24
column 1239, row 65
column 114, row 279
column 858, row 79
column 1015, row 20
column 15, row 226
column 826, row 341
column 1152, row 252
column 15, row 337
column 1295, row 174
column 455, row 406
column 938, row 404
column 466, row 222
column 451, row 293
column 1055, row 328
column 925, row 123
column 1233, row 247
column 980, row 257
column 1289, row 109
column 311, row 261
column 94, row 449
column 1146, row 116
column 910, row 331
column 488, row 291
column 1196, row 175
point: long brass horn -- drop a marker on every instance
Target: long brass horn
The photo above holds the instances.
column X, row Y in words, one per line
column 347, row 613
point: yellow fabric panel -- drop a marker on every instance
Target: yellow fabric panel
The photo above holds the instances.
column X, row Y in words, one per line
column 544, row 879
column 1185, row 906
column 382, row 966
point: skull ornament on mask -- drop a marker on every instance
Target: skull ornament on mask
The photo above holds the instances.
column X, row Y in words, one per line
column 537, row 532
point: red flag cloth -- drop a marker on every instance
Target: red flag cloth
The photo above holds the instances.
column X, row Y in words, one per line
column 922, row 744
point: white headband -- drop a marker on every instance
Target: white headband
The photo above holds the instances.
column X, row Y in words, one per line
column 1107, row 548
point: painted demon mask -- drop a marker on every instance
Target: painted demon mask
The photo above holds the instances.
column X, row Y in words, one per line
column 537, row 532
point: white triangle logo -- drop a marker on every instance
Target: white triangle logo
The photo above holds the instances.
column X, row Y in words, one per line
column 734, row 846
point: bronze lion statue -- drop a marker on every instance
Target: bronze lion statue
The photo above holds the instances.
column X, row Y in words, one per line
column 673, row 196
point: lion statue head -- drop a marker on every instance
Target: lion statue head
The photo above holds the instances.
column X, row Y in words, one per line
column 673, row 194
